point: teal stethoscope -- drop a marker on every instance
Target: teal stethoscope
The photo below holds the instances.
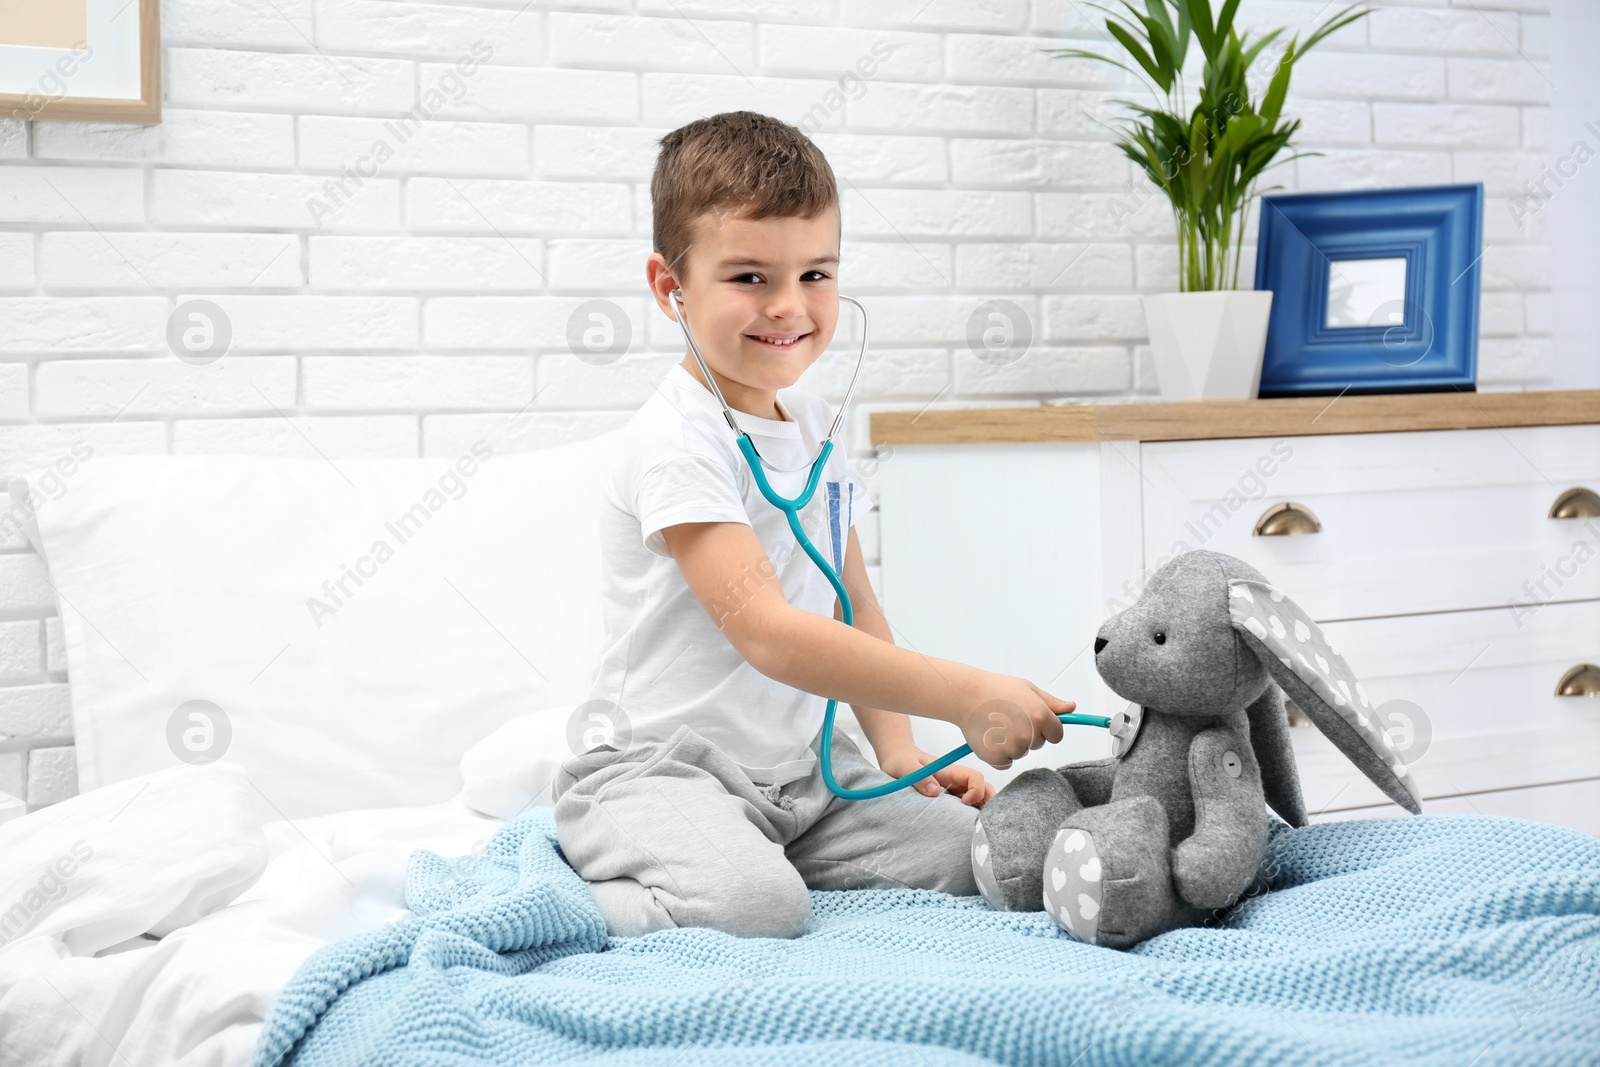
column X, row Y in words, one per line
column 791, row 509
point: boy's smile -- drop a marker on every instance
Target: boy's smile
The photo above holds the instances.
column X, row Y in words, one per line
column 762, row 298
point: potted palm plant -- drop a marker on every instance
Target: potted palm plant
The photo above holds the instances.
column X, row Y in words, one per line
column 1207, row 338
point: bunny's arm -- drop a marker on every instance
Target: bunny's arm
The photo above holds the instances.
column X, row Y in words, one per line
column 1218, row 861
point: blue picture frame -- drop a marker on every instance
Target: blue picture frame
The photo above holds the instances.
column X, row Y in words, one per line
column 1423, row 341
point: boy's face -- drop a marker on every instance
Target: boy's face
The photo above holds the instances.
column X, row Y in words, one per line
column 752, row 285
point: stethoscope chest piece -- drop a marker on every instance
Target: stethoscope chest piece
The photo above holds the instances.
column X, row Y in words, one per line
column 1125, row 729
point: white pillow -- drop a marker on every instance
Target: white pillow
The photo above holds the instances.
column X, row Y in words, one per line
column 513, row 768
column 148, row 855
column 360, row 624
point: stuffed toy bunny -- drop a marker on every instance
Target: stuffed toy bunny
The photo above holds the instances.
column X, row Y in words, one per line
column 1173, row 826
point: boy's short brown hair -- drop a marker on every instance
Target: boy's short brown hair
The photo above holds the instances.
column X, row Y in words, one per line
column 739, row 163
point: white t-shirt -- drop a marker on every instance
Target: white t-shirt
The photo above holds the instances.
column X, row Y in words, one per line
column 666, row 662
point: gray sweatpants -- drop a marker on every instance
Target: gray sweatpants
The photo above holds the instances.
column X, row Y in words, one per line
column 672, row 833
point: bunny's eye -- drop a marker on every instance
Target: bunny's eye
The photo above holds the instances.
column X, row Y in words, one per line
column 1161, row 637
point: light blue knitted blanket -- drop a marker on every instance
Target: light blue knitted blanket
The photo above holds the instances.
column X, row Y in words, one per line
column 1450, row 940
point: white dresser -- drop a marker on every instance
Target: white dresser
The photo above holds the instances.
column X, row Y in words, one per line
column 1449, row 545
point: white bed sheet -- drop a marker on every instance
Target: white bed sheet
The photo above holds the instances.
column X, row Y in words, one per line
column 241, row 897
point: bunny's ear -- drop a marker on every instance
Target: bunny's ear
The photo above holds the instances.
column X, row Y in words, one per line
column 1314, row 675
column 1269, row 739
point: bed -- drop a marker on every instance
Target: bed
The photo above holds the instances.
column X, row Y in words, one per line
column 313, row 828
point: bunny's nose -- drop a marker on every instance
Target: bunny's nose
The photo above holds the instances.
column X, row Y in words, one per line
column 1099, row 643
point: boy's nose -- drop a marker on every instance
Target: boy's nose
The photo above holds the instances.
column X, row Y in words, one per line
column 1099, row 643
column 787, row 299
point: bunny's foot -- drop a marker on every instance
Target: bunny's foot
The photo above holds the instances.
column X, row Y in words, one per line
column 1072, row 883
column 1011, row 835
column 1107, row 879
column 983, row 867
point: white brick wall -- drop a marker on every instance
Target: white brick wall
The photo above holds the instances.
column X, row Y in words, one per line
column 427, row 298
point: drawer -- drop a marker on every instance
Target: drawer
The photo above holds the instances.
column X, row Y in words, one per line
column 1483, row 683
column 1438, row 520
column 1575, row 805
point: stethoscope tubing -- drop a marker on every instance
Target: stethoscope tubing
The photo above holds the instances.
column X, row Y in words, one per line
column 791, row 510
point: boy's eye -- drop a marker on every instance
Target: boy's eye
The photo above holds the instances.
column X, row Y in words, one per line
column 820, row 276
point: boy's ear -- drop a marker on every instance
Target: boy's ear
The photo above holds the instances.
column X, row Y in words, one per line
column 661, row 280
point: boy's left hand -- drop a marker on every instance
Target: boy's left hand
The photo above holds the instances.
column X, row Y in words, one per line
column 965, row 782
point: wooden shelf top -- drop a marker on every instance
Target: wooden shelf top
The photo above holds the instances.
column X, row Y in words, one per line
column 1186, row 420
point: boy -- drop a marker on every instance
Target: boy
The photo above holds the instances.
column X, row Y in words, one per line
column 719, row 641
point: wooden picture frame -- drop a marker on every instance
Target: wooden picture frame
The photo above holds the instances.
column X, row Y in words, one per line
column 1374, row 290
column 112, row 73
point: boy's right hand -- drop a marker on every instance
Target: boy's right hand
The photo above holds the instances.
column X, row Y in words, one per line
column 1010, row 717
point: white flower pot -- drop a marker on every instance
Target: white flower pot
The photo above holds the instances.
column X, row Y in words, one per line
column 1208, row 345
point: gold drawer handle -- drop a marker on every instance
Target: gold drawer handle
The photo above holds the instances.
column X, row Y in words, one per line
column 1287, row 518
column 1580, row 681
column 1576, row 503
